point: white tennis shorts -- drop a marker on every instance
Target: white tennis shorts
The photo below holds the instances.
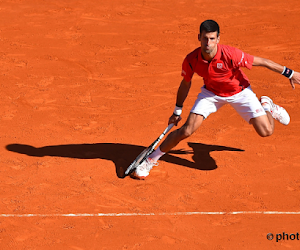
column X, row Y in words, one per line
column 245, row 103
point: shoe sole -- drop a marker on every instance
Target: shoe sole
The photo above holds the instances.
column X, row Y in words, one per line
column 137, row 177
column 270, row 101
column 268, row 98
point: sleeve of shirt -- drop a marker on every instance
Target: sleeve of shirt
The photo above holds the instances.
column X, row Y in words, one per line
column 187, row 71
column 242, row 59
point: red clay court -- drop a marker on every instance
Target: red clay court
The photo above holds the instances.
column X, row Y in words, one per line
column 86, row 85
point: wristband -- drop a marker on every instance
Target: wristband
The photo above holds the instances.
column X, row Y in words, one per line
column 177, row 110
column 287, row 72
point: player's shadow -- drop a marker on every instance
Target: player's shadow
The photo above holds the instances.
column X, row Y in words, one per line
column 123, row 154
column 201, row 156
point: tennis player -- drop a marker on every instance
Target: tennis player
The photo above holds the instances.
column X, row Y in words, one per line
column 224, row 83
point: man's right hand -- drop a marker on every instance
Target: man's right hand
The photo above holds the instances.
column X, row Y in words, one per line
column 175, row 119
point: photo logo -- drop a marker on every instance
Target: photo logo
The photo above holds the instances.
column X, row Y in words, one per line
column 283, row 236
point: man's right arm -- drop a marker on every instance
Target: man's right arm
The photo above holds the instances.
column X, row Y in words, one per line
column 182, row 93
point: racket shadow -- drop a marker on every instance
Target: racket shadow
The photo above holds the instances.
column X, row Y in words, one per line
column 122, row 154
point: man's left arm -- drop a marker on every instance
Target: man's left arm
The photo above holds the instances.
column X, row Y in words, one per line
column 293, row 76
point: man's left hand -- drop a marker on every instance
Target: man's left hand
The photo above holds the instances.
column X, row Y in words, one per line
column 295, row 79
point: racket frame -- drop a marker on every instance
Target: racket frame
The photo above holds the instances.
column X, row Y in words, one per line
column 139, row 159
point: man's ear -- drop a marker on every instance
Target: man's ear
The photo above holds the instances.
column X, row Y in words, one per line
column 199, row 37
column 218, row 39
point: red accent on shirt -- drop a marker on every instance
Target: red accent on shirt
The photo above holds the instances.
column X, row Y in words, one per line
column 222, row 75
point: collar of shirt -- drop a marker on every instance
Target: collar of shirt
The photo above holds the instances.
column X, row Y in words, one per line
column 216, row 57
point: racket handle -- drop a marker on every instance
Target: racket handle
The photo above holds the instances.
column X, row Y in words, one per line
column 167, row 130
column 170, row 127
column 163, row 134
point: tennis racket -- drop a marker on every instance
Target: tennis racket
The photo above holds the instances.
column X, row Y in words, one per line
column 146, row 152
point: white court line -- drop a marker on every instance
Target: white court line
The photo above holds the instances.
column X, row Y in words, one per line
column 149, row 214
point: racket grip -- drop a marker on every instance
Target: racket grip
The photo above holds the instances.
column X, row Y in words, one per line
column 170, row 127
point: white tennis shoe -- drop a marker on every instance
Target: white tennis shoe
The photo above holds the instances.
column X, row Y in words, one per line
column 143, row 170
column 278, row 112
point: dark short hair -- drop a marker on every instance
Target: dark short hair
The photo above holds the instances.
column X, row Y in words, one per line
column 210, row 26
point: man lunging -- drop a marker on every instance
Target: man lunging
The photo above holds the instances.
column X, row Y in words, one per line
column 224, row 83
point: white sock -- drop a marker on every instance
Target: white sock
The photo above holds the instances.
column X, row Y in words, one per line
column 156, row 154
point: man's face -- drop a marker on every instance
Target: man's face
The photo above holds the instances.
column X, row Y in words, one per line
column 209, row 41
